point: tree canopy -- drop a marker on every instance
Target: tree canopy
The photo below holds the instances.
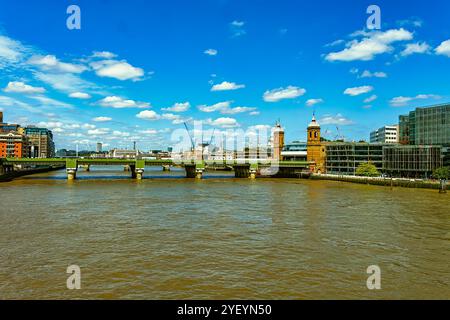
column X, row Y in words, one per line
column 442, row 173
column 367, row 169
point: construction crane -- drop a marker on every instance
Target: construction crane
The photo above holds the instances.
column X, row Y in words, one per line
column 339, row 136
column 190, row 137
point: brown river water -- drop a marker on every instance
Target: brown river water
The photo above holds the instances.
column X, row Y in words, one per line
column 167, row 237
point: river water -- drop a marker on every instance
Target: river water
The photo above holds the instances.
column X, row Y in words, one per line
column 219, row 238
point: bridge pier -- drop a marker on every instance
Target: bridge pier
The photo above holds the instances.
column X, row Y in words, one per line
column 71, row 174
column 166, row 167
column 194, row 170
column 87, row 167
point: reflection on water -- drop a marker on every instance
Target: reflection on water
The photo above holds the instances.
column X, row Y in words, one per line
column 219, row 238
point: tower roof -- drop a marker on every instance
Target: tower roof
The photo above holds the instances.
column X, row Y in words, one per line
column 314, row 123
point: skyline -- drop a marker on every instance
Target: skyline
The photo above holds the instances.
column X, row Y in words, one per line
column 141, row 73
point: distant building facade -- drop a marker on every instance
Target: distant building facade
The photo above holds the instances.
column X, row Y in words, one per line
column 426, row 126
column 14, row 145
column 386, row 134
column 345, row 157
column 41, row 142
column 295, row 151
column 412, row 161
column 99, row 147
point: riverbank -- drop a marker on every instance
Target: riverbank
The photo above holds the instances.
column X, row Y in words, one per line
column 387, row 182
column 16, row 174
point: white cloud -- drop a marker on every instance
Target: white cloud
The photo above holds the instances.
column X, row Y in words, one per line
column 312, row 102
column 66, row 82
column 103, row 54
column 443, row 48
column 178, row 107
column 224, row 122
column 225, row 86
column 368, row 74
column 225, row 108
column 337, row 119
column 10, row 50
column 80, row 95
column 370, row 99
column 237, row 28
column 211, row 52
column 373, row 43
column 419, row 47
column 403, row 101
column 149, row 131
column 148, row 115
column 237, row 110
column 102, row 119
column 356, row 91
column 51, row 63
column 215, row 107
column 88, row 126
column 20, row 87
column 120, row 103
column 120, row 70
column 98, row 132
column 278, row 94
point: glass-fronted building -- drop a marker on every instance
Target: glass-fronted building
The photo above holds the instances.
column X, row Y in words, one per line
column 426, row 126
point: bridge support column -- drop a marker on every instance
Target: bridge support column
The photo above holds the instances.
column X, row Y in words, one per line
column 195, row 170
column 190, row 171
column 137, row 170
column 71, row 174
column 2, row 170
column 71, row 169
column 87, row 168
column 166, row 167
column 241, row 171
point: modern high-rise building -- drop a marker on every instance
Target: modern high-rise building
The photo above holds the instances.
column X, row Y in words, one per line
column 426, row 126
column 41, row 142
column 386, row 134
column 99, row 147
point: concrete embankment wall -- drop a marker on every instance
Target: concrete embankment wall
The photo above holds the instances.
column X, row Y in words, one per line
column 379, row 181
column 16, row 174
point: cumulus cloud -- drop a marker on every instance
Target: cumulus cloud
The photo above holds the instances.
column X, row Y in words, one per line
column 98, row 132
column 337, row 119
column 211, row 52
column 356, row 91
column 377, row 74
column 51, row 63
column 102, row 119
column 312, row 102
column 120, row 103
column 148, row 115
column 443, row 48
column 225, row 108
column 412, row 48
column 223, row 122
column 20, row 87
column 80, row 95
column 403, row 101
column 120, row 70
column 373, row 44
column 178, row 107
column 278, row 94
column 225, row 86
column 103, row 54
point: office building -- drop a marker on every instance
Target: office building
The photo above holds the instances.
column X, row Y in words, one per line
column 412, row 161
column 386, row 134
column 345, row 157
column 41, row 142
column 99, row 147
column 426, row 126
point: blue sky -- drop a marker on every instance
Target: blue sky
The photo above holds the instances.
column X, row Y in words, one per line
column 138, row 69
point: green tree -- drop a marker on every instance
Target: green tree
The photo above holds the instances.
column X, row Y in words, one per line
column 442, row 173
column 367, row 169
